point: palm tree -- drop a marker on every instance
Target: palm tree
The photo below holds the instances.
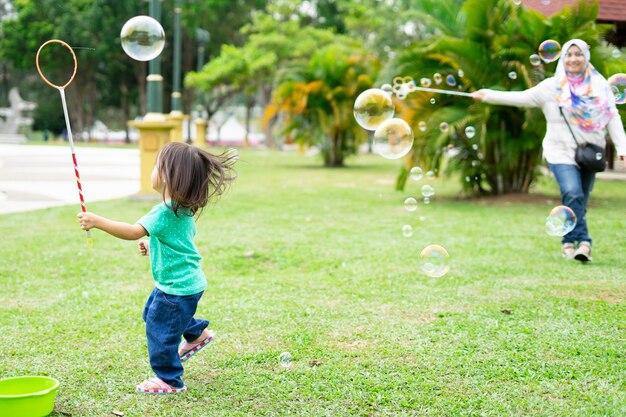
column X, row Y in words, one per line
column 316, row 99
column 490, row 42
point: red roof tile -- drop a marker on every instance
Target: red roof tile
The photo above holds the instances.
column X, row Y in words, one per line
column 610, row 10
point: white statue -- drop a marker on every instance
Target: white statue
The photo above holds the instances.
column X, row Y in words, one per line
column 12, row 118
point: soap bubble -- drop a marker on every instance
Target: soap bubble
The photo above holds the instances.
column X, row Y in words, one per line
column 470, row 132
column 618, row 87
column 142, row 38
column 416, row 173
column 461, row 73
column 443, row 126
column 549, row 50
column 372, row 107
column 437, row 77
column 387, row 88
column 616, row 53
column 560, row 221
column 517, row 2
column 410, row 204
column 430, row 175
column 425, row 82
column 450, row 80
column 513, row 75
column 407, row 230
column 285, row 359
column 434, row 261
column 535, row 59
column 422, row 126
column 428, row 190
column 433, row 101
column 393, row 139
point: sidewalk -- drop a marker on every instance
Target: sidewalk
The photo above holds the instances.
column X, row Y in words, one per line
column 34, row 177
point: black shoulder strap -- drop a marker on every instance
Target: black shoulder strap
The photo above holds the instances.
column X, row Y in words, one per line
column 568, row 126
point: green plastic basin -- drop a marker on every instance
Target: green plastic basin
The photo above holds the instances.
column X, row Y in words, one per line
column 27, row 396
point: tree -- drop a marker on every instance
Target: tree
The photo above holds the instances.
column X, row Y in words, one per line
column 317, row 99
column 488, row 40
column 253, row 69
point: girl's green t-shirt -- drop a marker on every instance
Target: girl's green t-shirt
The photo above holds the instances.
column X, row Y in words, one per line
column 174, row 259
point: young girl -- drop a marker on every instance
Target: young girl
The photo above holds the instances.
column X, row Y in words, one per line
column 188, row 178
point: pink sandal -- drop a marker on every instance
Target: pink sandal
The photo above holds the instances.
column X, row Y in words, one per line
column 190, row 349
column 163, row 388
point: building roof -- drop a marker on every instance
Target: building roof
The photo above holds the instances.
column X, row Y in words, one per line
column 610, row 10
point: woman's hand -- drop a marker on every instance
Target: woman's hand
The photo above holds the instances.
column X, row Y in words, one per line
column 479, row 95
column 144, row 247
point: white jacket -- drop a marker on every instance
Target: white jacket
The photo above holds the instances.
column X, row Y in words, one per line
column 558, row 145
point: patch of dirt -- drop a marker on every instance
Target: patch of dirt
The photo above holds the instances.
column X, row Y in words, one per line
column 513, row 198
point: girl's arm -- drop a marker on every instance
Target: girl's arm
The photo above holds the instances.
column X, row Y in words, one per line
column 120, row 230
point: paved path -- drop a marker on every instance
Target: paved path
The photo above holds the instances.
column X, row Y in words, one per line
column 34, row 177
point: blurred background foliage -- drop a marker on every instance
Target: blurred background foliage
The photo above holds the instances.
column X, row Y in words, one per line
column 304, row 62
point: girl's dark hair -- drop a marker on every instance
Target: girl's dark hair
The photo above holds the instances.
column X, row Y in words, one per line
column 194, row 177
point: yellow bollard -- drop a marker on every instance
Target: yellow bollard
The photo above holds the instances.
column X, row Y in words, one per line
column 179, row 118
column 153, row 135
column 200, row 140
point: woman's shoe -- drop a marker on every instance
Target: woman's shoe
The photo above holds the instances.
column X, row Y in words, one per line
column 583, row 253
column 568, row 250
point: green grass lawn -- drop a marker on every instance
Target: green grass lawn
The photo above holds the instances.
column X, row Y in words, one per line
column 313, row 262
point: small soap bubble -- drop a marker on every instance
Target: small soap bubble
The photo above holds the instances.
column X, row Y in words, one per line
column 517, row 2
column 450, row 80
column 437, row 77
column 434, row 261
column 428, row 190
column 407, row 230
column 461, row 73
column 470, row 132
column 393, row 139
column 549, row 50
column 425, row 82
column 410, row 204
column 430, row 175
column 443, row 126
column 513, row 75
column 616, row 53
column 433, row 101
column 617, row 82
column 387, row 88
column 285, row 359
column 416, row 173
column 426, row 200
column 535, row 60
column 475, row 146
column 598, row 156
column 422, row 126
column 560, row 221
column 373, row 107
column 143, row 38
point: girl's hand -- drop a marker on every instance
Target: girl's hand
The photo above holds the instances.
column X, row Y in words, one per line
column 144, row 247
column 88, row 220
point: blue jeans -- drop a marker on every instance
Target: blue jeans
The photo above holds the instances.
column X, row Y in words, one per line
column 168, row 317
column 575, row 185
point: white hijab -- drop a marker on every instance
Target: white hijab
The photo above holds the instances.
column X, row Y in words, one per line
column 585, row 98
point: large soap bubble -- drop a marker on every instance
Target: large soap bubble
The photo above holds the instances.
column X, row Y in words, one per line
column 143, row 38
column 560, row 221
column 618, row 87
column 393, row 139
column 372, row 107
column 434, row 261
